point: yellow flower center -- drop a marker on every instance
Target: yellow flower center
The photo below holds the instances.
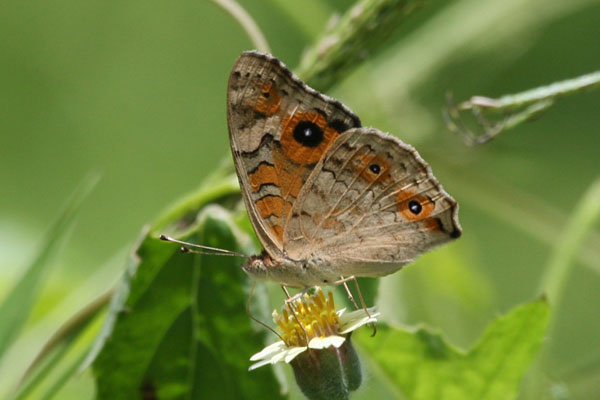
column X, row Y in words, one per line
column 308, row 317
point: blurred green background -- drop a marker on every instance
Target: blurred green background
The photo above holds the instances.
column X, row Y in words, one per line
column 136, row 90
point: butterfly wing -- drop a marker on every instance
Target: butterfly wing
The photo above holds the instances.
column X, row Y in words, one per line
column 371, row 206
column 279, row 129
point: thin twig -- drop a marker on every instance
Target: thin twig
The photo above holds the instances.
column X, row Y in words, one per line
column 246, row 22
column 515, row 108
column 548, row 92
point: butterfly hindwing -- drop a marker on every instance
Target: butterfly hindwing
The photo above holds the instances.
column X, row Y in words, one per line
column 372, row 201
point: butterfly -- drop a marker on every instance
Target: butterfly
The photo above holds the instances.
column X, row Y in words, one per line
column 326, row 197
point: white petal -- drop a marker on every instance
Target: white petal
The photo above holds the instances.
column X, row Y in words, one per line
column 356, row 319
column 358, row 314
column 286, row 354
column 279, row 356
column 322, row 343
column 259, row 364
column 268, row 351
column 293, row 352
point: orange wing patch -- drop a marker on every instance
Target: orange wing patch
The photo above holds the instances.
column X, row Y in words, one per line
column 277, row 231
column 291, row 176
column 414, row 207
column 305, row 137
column 270, row 205
column 432, row 224
column 264, row 174
column 372, row 168
column 268, row 101
column 296, row 143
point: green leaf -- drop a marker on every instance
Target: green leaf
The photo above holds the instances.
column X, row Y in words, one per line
column 17, row 305
column 422, row 366
column 178, row 326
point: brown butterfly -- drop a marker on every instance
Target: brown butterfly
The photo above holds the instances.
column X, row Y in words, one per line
column 327, row 198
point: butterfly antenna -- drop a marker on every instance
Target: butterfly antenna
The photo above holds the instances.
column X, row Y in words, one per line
column 255, row 319
column 213, row 251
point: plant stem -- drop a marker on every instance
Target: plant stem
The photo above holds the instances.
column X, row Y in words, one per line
column 359, row 32
column 246, row 22
column 561, row 262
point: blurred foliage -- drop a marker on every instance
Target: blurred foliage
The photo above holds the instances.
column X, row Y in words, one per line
column 137, row 91
column 19, row 301
column 421, row 365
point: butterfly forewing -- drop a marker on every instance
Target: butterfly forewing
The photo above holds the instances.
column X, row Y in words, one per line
column 279, row 130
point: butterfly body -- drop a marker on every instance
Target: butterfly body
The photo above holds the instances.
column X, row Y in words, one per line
column 326, row 197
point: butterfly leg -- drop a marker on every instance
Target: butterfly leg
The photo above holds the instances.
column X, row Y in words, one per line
column 360, row 297
column 291, row 299
column 349, row 293
column 343, row 281
column 289, row 302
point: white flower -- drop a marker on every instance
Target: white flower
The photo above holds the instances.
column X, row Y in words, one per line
column 311, row 322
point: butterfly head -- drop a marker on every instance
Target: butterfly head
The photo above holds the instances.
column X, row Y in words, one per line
column 257, row 267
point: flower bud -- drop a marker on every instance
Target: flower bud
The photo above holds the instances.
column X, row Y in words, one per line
column 328, row 374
